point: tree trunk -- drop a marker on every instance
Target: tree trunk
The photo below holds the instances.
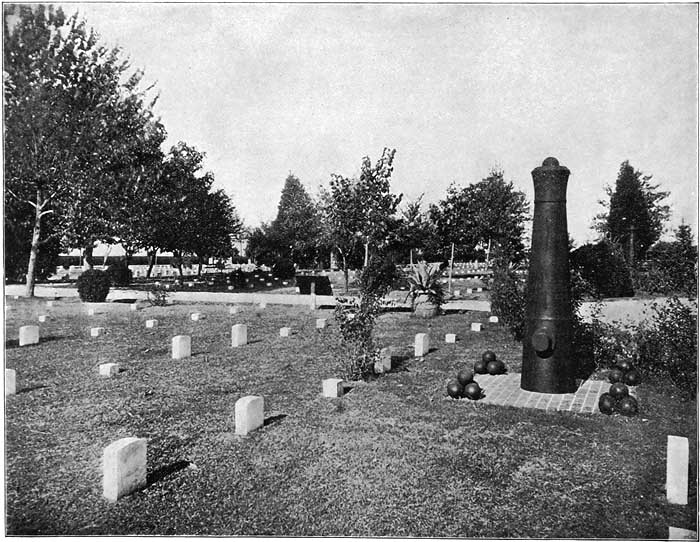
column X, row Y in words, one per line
column 366, row 254
column 87, row 255
column 34, row 252
column 152, row 255
column 199, row 266
column 178, row 260
column 345, row 274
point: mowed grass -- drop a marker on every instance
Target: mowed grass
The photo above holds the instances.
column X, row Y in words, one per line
column 394, row 457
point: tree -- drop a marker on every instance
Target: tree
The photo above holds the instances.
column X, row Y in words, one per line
column 671, row 267
column 634, row 215
column 411, row 230
column 487, row 217
column 71, row 112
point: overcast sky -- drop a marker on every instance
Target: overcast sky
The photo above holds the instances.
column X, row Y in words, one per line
column 268, row 89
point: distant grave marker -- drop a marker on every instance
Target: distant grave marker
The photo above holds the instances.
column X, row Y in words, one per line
column 196, row 316
column 239, row 335
column 422, row 345
column 151, row 323
column 476, row 326
column 96, row 331
column 249, row 414
column 233, row 310
column 42, row 318
column 332, row 387
column 181, row 346
column 285, row 331
column 28, row 335
column 320, row 323
column 493, row 319
column 10, row 382
column 383, row 364
column 450, row 338
column 109, row 369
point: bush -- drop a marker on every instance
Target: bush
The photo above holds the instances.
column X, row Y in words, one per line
column 508, row 299
column 158, row 294
column 667, row 345
column 119, row 274
column 357, row 353
column 284, row 269
column 93, row 285
column 378, row 276
column 603, row 266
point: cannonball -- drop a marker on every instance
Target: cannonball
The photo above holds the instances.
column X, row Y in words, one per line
column 615, row 375
column 472, row 391
column 495, row 367
column 618, row 390
column 480, row 367
column 632, row 378
column 465, row 376
column 488, row 356
column 455, row 389
column 624, row 365
column 628, row 406
column 607, row 403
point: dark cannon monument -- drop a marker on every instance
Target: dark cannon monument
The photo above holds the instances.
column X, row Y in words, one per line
column 548, row 365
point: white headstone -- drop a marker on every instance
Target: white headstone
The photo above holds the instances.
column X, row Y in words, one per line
column 493, row 319
column 182, row 346
column 476, row 326
column 332, row 387
column 320, row 323
column 285, row 331
column 456, row 293
column 96, row 331
column 134, row 306
column 268, row 284
column 677, row 470
column 479, row 289
column 422, row 344
column 383, row 364
column 123, row 467
column 229, row 288
column 249, row 414
column 10, row 382
column 91, row 312
column 470, row 291
column 109, row 369
column 239, row 335
column 676, row 533
column 151, row 323
column 263, row 304
column 28, row 335
column 450, row 338
column 49, row 303
column 196, row 316
column 42, row 318
column 233, row 310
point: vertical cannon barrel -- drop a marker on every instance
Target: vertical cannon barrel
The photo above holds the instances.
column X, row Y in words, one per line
column 548, row 365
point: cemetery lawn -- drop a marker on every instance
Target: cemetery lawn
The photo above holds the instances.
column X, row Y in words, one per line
column 394, row 457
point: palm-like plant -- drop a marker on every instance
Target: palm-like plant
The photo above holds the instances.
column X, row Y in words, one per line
column 425, row 286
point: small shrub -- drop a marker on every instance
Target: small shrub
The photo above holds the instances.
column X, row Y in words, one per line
column 379, row 276
column 357, row 353
column 604, row 268
column 508, row 299
column 93, row 286
column 158, row 294
column 667, row 345
column 284, row 269
column 119, row 274
column 424, row 280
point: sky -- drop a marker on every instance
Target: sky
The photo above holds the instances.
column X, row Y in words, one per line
column 269, row 89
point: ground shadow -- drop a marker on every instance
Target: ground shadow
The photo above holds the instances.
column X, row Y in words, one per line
column 431, row 350
column 14, row 343
column 127, row 301
column 163, row 472
column 270, row 420
column 32, row 388
column 254, row 341
column 399, row 363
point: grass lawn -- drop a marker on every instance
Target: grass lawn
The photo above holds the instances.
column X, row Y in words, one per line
column 394, row 457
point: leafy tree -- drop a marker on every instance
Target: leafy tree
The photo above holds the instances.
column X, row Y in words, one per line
column 411, row 230
column 71, row 112
column 485, row 217
column 634, row 215
column 671, row 267
column 263, row 245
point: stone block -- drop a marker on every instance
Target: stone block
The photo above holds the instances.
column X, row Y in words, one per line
column 91, row 312
column 450, row 338
column 123, row 467
column 10, row 382
column 28, row 335
column 233, row 310
column 249, row 414
column 109, row 369
column 43, row 318
column 229, row 288
column 151, row 323
column 383, row 364
column 239, row 335
column 479, row 290
column 476, row 326
column 134, row 307
column 676, row 533
column 332, row 387
column 96, row 331
column 285, row 331
column 677, row 458
column 49, row 303
column 196, row 316
column 422, row 345
column 263, row 305
column 456, row 293
column 320, row 323
column 493, row 319
column 182, row 346
column 470, row 291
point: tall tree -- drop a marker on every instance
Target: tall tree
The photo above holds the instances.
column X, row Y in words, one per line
column 634, row 216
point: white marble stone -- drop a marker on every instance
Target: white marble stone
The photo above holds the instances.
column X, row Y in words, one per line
column 49, row 303
column 196, row 316
column 493, row 319
column 422, row 345
column 43, row 318
column 470, row 291
column 151, row 323
column 676, row 533
column 677, row 458
column 182, row 346
column 109, row 369
column 263, row 305
column 479, row 290
column 28, row 335
column 450, row 338
column 96, row 331
column 134, row 307
column 476, row 326
column 123, row 467
column 456, row 293
column 383, row 364
column 233, row 310
column 239, row 335
column 320, row 323
column 285, row 331
column 10, row 382
column 91, row 312
column 332, row 387
column 249, row 414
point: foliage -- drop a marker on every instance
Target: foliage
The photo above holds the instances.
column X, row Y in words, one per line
column 508, row 291
column 284, row 269
column 671, row 267
column 263, row 245
column 119, row 274
column 356, row 318
column 410, row 234
column 603, row 266
column 158, row 294
column 93, row 285
column 485, row 216
column 424, row 280
column 379, row 276
column 634, row 210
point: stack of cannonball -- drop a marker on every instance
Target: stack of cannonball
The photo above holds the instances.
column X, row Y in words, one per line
column 464, row 386
column 618, row 399
column 489, row 364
